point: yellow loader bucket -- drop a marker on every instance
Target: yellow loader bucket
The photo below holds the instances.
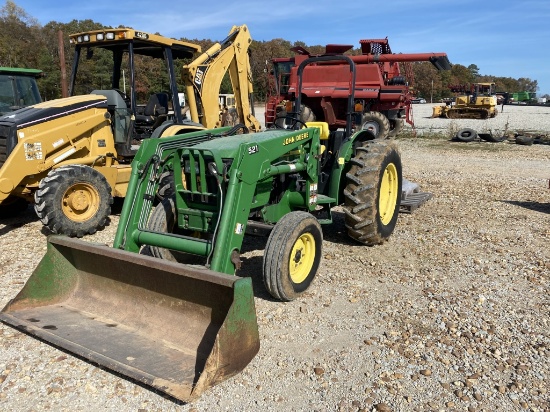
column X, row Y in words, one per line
column 177, row 328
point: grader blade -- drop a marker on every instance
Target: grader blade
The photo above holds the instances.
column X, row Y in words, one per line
column 176, row 328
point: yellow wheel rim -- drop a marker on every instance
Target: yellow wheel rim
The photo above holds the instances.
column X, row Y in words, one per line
column 302, row 258
column 80, row 202
column 388, row 194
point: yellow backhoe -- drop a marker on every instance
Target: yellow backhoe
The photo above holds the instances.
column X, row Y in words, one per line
column 71, row 156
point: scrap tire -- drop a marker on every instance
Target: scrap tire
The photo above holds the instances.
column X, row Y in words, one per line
column 376, row 123
column 292, row 255
column 525, row 140
column 396, row 126
column 163, row 219
column 466, row 135
column 12, row 206
column 73, row 200
column 373, row 192
column 492, row 139
column 306, row 115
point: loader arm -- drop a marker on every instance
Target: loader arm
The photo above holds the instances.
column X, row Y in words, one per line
column 229, row 197
column 203, row 78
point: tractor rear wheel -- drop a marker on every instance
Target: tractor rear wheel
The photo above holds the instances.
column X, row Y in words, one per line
column 376, row 123
column 12, row 206
column 166, row 185
column 373, row 192
column 292, row 255
column 73, row 200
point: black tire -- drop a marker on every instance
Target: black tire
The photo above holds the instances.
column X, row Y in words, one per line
column 73, row 200
column 373, row 192
column 292, row 255
column 166, row 186
column 12, row 206
column 396, row 126
column 525, row 140
column 306, row 114
column 163, row 219
column 466, row 135
column 283, row 121
column 488, row 137
column 376, row 123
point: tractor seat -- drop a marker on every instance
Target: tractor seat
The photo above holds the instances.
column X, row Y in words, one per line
column 157, row 105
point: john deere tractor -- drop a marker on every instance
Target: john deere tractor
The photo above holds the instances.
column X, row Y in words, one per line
column 185, row 322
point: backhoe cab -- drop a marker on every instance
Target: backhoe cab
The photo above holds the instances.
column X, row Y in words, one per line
column 127, row 54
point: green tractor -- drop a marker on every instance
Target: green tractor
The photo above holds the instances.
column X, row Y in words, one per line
column 185, row 322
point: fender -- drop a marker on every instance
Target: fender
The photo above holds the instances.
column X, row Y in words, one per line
column 342, row 164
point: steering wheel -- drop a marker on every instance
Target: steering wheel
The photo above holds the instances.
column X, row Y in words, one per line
column 292, row 126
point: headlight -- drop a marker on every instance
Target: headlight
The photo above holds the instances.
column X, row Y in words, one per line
column 86, row 37
column 79, row 39
column 100, row 36
column 110, row 36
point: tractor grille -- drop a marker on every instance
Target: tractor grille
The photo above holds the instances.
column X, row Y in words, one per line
column 8, row 140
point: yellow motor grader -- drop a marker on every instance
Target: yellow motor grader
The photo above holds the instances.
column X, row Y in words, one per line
column 71, row 156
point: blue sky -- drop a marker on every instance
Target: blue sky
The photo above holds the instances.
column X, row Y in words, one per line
column 507, row 38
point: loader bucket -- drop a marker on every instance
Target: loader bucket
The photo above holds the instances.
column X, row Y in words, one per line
column 177, row 328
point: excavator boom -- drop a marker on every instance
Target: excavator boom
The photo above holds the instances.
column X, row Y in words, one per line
column 203, row 78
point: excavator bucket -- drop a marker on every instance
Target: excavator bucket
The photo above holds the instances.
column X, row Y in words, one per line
column 179, row 329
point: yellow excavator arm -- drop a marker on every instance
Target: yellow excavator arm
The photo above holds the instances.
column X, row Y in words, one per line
column 203, row 78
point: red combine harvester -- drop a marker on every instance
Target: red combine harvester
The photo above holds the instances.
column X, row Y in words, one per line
column 373, row 80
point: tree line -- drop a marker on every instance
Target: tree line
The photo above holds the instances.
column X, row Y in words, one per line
column 25, row 43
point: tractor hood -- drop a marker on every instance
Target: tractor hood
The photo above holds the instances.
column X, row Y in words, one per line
column 228, row 146
column 12, row 123
column 50, row 110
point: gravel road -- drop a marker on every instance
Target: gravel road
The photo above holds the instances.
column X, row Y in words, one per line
column 451, row 314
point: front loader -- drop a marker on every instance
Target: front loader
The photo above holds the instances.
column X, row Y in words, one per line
column 182, row 319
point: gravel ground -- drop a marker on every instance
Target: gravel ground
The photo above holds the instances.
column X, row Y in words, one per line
column 452, row 313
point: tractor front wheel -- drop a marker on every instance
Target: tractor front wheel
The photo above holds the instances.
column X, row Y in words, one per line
column 73, row 200
column 292, row 255
column 373, row 192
